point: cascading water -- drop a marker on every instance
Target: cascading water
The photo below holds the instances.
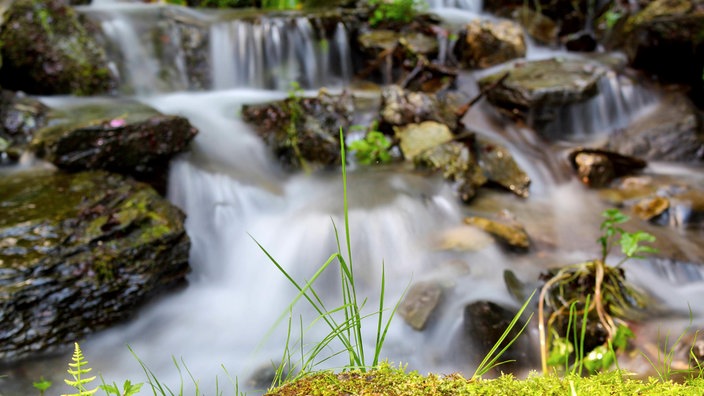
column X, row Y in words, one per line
column 236, row 196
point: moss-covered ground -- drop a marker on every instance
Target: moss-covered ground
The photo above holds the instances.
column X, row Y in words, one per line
column 391, row 381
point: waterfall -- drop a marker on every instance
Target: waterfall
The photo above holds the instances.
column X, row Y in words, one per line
column 236, row 196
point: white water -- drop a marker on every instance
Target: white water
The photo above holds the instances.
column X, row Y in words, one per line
column 235, row 194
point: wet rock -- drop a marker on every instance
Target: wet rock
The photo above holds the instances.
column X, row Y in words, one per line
column 416, row 138
column 419, row 303
column 500, row 168
column 507, row 231
column 660, row 200
column 484, row 324
column 462, row 239
column 663, row 38
column 80, row 252
column 48, row 50
column 20, row 116
column 543, row 85
column 670, row 132
column 457, row 163
column 538, row 26
column 195, row 44
column 582, row 41
column 303, row 132
column 650, row 208
column 401, row 107
column 483, row 43
column 125, row 138
column 597, row 168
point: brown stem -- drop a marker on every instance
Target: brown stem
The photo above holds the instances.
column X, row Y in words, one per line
column 465, row 108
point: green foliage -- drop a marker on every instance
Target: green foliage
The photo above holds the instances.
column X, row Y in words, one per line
column 128, row 389
column 630, row 242
column 394, row 11
column 77, row 371
column 373, row 149
column 613, row 300
column 42, row 385
column 282, row 4
column 345, row 321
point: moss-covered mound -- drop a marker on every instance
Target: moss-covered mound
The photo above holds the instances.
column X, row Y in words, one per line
column 46, row 50
column 79, row 252
column 395, row 382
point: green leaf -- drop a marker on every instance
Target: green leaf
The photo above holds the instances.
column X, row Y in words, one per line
column 620, row 339
column 599, row 358
column 630, row 243
column 42, row 384
column 560, row 351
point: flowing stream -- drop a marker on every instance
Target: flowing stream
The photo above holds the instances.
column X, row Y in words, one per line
column 236, row 197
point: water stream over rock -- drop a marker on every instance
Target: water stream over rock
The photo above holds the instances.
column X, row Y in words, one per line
column 206, row 65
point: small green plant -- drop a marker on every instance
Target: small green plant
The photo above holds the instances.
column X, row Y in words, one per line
column 128, row 388
column 77, row 372
column 345, row 321
column 598, row 294
column 394, row 11
column 42, row 385
column 373, row 148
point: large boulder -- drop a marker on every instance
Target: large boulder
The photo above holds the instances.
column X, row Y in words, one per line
column 46, row 49
column 670, row 132
column 79, row 252
column 127, row 138
column 665, row 38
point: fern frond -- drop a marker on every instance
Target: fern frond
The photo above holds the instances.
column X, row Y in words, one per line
column 76, row 370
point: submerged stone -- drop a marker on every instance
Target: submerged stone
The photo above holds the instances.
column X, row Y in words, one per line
column 47, row 49
column 509, row 233
column 80, row 252
column 419, row 303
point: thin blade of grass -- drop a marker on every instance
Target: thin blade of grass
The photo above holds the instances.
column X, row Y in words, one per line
column 491, row 357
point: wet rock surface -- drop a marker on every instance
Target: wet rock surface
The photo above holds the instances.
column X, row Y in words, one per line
column 47, row 49
column 500, row 168
column 303, row 132
column 670, row 132
column 663, row 38
column 544, row 83
column 126, row 138
column 506, row 230
column 484, row 322
column 20, row 116
column 400, row 107
column 77, row 264
column 597, row 168
column 483, row 44
column 419, row 303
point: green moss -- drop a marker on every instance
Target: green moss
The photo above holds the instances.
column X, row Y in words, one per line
column 388, row 380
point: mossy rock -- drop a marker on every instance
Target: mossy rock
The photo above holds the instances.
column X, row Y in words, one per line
column 47, row 50
column 79, row 252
